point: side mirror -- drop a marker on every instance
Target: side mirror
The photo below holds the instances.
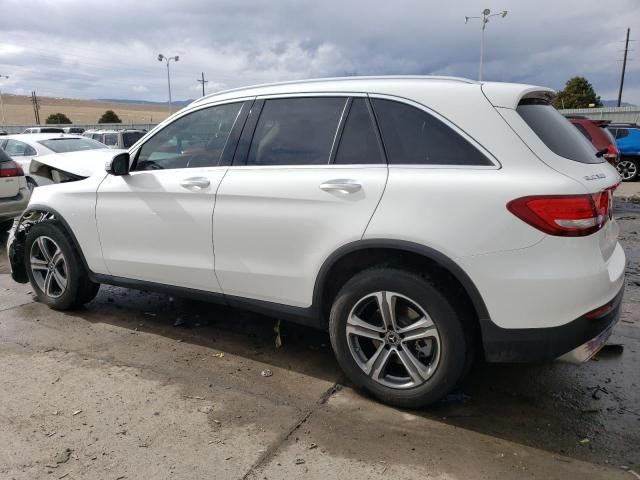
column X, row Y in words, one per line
column 118, row 165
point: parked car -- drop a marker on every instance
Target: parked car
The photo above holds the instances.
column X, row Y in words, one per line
column 74, row 130
column 25, row 148
column 3, row 132
column 421, row 220
column 116, row 138
column 596, row 132
column 44, row 130
column 14, row 193
column 627, row 137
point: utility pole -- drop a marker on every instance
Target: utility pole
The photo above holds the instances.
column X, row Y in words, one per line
column 1, row 103
column 36, row 107
column 624, row 67
column 203, row 81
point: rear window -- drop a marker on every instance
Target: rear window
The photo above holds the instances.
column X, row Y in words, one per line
column 51, row 130
column 557, row 133
column 63, row 145
column 129, row 138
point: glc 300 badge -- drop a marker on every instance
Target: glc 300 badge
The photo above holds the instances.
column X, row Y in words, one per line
column 595, row 176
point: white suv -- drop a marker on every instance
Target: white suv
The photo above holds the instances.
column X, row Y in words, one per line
column 421, row 220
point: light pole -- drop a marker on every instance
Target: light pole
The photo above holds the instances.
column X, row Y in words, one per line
column 2, row 104
column 484, row 19
column 161, row 57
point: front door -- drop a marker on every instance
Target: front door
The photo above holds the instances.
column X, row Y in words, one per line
column 155, row 224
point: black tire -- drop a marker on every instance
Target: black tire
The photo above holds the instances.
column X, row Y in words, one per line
column 6, row 225
column 629, row 169
column 31, row 184
column 79, row 289
column 455, row 349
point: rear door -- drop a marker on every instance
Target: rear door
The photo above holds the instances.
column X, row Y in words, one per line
column 306, row 179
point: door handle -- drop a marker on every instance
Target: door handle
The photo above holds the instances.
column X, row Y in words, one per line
column 195, row 183
column 342, row 186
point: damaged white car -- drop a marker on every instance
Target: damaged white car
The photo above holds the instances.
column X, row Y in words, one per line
column 70, row 166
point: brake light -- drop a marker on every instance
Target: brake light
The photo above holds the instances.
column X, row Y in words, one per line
column 10, row 169
column 564, row 215
column 612, row 154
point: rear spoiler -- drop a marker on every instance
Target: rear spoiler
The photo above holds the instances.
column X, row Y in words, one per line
column 510, row 95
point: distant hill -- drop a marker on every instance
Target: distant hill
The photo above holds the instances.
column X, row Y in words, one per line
column 613, row 103
column 176, row 103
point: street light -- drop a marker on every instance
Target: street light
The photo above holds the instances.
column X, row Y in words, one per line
column 161, row 57
column 2, row 104
column 484, row 19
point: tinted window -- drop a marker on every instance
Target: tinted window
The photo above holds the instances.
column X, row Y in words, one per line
column 51, row 130
column 622, row 132
column 4, row 157
column 129, row 138
column 583, row 131
column 557, row 133
column 97, row 136
column 195, row 140
column 412, row 136
column 62, row 145
column 296, row 131
column 110, row 139
column 359, row 142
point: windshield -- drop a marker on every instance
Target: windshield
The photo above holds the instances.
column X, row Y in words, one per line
column 558, row 133
column 129, row 138
column 63, row 145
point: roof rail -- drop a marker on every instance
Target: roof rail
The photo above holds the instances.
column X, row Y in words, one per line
column 338, row 79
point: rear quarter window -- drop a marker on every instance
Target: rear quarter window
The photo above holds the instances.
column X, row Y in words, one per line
column 413, row 137
column 557, row 133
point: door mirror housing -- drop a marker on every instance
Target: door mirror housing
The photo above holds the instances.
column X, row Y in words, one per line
column 118, row 165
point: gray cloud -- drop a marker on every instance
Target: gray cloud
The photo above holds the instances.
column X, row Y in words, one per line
column 94, row 49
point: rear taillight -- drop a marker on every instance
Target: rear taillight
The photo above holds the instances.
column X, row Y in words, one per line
column 612, row 154
column 564, row 215
column 10, row 169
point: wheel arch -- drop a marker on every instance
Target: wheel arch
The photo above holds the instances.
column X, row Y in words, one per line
column 357, row 256
column 16, row 248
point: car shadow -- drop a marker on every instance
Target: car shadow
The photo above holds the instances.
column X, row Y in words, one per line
column 551, row 407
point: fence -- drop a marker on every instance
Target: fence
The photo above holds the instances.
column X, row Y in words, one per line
column 11, row 129
column 615, row 114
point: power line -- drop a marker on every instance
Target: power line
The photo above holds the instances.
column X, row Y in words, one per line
column 203, row 81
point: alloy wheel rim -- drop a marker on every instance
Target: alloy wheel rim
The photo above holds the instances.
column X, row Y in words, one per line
column 49, row 267
column 627, row 169
column 393, row 340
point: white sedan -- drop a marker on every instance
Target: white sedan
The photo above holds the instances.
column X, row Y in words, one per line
column 26, row 147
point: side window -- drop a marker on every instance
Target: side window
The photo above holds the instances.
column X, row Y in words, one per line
column 98, row 137
column 111, row 139
column 195, row 140
column 412, row 136
column 359, row 142
column 622, row 132
column 16, row 149
column 296, row 131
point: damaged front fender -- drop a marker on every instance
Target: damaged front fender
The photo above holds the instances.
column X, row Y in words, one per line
column 16, row 241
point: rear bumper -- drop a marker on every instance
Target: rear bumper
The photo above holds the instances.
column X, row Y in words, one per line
column 14, row 206
column 575, row 341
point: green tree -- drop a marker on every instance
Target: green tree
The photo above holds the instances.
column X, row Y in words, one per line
column 109, row 117
column 577, row 93
column 57, row 118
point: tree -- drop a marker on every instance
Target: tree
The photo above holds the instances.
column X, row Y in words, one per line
column 57, row 118
column 109, row 117
column 577, row 93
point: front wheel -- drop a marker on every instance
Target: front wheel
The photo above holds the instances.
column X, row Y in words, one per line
column 629, row 169
column 55, row 269
column 398, row 337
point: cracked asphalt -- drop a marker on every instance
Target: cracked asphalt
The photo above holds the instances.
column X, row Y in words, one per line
column 116, row 391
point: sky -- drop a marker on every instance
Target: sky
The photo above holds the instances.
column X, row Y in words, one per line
column 109, row 49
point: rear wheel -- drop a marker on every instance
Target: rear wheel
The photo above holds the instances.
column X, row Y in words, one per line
column 628, row 168
column 31, row 184
column 396, row 336
column 55, row 269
